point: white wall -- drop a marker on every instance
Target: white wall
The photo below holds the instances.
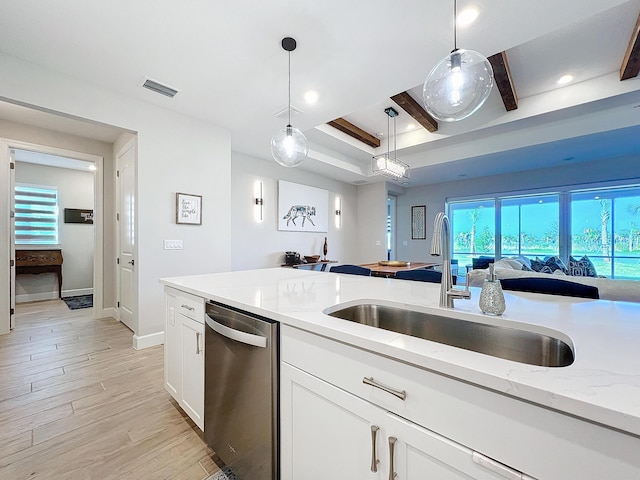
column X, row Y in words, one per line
column 260, row 244
column 372, row 223
column 75, row 190
column 175, row 154
column 614, row 171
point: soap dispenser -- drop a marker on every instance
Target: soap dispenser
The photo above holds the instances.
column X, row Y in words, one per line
column 491, row 297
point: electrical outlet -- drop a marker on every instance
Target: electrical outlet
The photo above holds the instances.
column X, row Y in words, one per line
column 173, row 244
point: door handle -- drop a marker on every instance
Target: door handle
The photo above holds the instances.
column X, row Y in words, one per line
column 392, row 443
column 131, row 262
column 374, row 456
column 401, row 394
column 198, row 343
column 237, row 335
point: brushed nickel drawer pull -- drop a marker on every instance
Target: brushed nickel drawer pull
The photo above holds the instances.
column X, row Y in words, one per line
column 374, row 456
column 191, row 309
column 198, row 343
column 401, row 394
column 392, row 443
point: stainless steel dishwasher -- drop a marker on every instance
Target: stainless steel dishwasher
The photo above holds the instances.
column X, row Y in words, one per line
column 241, row 414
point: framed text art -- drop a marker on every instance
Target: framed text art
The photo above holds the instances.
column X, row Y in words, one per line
column 418, row 222
column 188, row 209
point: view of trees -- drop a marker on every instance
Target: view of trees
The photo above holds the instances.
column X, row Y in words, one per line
column 607, row 230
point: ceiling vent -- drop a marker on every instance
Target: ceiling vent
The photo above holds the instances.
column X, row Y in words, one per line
column 159, row 88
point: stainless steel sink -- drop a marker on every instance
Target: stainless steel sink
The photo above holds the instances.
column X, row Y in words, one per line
column 503, row 342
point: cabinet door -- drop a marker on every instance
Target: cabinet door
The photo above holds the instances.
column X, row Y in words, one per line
column 420, row 454
column 325, row 431
column 172, row 348
column 192, row 399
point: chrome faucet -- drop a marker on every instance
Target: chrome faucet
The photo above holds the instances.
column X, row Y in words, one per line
column 441, row 246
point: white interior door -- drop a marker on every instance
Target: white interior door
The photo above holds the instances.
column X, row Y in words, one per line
column 126, row 225
column 12, row 239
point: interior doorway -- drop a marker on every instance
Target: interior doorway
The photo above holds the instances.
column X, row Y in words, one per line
column 36, row 168
column 391, row 227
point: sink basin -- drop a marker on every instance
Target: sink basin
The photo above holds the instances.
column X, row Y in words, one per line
column 503, row 342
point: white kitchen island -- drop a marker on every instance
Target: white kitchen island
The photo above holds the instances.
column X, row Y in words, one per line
column 465, row 413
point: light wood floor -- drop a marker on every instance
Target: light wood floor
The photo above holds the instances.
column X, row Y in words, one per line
column 78, row 402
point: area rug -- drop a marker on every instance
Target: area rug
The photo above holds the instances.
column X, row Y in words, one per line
column 224, row 474
column 81, row 301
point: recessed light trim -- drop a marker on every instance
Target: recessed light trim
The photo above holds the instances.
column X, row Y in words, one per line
column 311, row 97
column 467, row 16
column 563, row 80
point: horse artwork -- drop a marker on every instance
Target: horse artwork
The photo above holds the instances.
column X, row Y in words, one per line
column 304, row 211
column 302, row 208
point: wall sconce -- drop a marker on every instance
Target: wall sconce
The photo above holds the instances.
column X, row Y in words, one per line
column 259, row 201
column 338, row 212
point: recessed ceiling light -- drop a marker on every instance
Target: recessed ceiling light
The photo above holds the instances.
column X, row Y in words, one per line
column 311, row 97
column 380, row 135
column 563, row 80
column 411, row 126
column 467, row 16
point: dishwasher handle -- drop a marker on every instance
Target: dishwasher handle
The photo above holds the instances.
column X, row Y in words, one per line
column 237, row 335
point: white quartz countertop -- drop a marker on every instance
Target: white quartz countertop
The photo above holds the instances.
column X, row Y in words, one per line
column 602, row 385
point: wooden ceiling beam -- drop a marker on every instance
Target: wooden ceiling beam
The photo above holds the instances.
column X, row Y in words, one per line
column 631, row 63
column 413, row 108
column 350, row 129
column 504, row 82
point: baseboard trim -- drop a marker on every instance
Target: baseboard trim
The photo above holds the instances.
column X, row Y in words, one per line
column 77, row 292
column 36, row 297
column 109, row 312
column 146, row 341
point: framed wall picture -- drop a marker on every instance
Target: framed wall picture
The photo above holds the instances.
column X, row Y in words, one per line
column 418, row 222
column 188, row 209
column 302, row 208
column 78, row 215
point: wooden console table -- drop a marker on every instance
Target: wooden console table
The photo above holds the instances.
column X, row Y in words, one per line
column 40, row 261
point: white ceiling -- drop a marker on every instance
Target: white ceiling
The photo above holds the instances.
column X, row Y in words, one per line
column 228, row 65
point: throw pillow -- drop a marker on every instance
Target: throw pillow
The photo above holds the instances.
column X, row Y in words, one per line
column 555, row 263
column 582, row 268
column 537, row 264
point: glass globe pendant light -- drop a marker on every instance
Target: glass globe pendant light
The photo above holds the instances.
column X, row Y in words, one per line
column 459, row 84
column 289, row 146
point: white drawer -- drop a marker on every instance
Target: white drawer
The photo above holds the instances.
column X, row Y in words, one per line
column 482, row 420
column 188, row 305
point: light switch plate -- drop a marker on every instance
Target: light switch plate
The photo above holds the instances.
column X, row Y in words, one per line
column 173, row 244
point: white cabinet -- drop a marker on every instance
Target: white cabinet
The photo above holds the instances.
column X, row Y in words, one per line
column 332, row 393
column 329, row 433
column 192, row 398
column 184, row 352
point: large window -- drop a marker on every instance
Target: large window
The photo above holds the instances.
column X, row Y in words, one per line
column 472, row 229
column 530, row 226
column 36, row 215
column 602, row 224
column 605, row 226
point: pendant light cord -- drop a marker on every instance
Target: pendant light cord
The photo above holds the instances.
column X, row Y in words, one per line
column 455, row 31
column 289, row 88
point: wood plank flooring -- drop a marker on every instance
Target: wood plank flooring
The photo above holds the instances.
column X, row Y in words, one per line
column 78, row 402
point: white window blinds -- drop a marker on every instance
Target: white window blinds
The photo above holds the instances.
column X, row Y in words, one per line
column 36, row 215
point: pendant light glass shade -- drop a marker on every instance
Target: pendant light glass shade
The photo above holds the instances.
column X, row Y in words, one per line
column 289, row 147
column 458, row 86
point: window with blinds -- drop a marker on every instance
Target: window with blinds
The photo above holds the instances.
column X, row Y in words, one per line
column 36, row 215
